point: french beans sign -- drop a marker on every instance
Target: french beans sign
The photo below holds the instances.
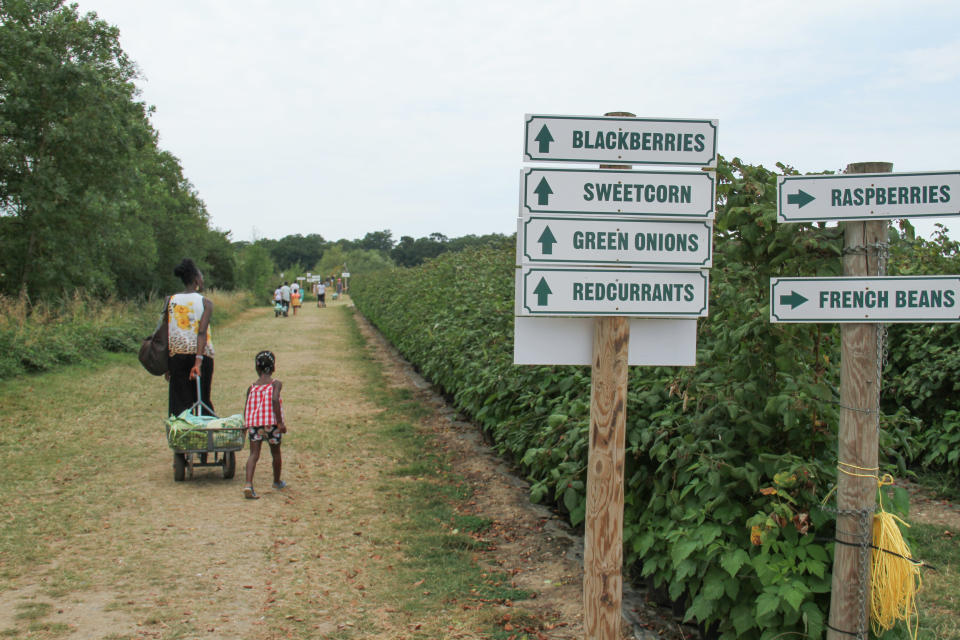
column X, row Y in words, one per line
column 872, row 299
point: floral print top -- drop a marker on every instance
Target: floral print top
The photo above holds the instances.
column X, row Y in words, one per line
column 184, row 311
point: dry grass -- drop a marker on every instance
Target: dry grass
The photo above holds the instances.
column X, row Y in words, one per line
column 99, row 541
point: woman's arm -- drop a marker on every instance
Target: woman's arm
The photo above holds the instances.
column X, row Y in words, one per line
column 202, row 336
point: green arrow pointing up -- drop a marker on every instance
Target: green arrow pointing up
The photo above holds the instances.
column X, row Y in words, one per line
column 546, row 241
column 801, row 198
column 543, row 192
column 794, row 299
column 544, row 138
column 542, row 291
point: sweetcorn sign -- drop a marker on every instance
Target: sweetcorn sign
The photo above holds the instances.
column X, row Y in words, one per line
column 667, row 194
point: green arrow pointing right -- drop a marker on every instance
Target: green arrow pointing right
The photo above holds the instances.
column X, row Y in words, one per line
column 801, row 198
column 794, row 299
column 542, row 291
column 544, row 138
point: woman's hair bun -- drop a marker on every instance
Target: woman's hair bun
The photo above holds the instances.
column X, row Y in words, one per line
column 186, row 271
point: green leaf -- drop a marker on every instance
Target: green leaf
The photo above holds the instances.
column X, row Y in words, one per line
column 793, row 597
column 682, row 550
column 701, row 609
column 817, row 552
column 731, row 562
column 743, row 618
column 767, row 603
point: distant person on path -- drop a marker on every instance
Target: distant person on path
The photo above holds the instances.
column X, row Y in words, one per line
column 295, row 301
column 285, row 296
column 321, row 294
column 190, row 346
column 263, row 418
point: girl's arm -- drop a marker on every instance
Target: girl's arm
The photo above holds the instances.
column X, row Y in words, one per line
column 277, row 410
column 202, row 336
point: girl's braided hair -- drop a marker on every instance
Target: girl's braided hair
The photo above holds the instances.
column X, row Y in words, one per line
column 265, row 362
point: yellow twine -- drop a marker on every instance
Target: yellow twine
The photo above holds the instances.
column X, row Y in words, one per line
column 894, row 579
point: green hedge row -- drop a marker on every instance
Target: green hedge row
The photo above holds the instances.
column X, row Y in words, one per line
column 727, row 462
column 44, row 336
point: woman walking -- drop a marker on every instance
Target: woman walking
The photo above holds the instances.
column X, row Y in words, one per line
column 190, row 345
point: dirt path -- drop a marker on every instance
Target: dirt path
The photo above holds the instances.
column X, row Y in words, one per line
column 141, row 556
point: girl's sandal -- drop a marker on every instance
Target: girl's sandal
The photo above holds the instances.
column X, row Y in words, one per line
column 250, row 494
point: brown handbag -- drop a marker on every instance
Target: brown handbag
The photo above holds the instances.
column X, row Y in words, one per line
column 153, row 350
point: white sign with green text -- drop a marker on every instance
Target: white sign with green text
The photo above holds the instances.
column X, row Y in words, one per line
column 622, row 140
column 868, row 196
column 662, row 194
column 867, row 299
column 601, row 240
column 559, row 291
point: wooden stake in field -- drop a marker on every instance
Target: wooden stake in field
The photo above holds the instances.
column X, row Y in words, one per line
column 603, row 536
column 863, row 245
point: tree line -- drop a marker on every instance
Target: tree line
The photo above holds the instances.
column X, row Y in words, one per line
column 88, row 199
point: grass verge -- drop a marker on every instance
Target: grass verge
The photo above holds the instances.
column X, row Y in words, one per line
column 939, row 598
column 441, row 561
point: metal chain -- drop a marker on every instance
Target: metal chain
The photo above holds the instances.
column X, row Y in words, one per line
column 882, row 252
column 863, row 540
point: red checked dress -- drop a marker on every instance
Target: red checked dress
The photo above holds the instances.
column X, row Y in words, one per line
column 258, row 415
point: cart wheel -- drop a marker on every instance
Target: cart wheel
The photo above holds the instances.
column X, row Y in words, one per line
column 179, row 466
column 229, row 465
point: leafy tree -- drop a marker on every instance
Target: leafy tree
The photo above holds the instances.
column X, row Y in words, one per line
column 354, row 261
column 410, row 252
column 87, row 199
column 381, row 241
column 297, row 249
column 70, row 129
column 255, row 269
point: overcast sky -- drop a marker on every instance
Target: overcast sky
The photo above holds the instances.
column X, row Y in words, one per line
column 340, row 118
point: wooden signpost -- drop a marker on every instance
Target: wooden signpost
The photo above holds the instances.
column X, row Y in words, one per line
column 612, row 254
column 862, row 300
column 858, row 437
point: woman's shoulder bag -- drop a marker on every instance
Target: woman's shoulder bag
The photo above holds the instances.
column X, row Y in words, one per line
column 153, row 350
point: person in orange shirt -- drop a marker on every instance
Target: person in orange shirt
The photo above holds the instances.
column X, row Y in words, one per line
column 295, row 301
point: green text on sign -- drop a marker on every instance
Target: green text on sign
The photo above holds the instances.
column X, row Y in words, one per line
column 878, row 299
column 876, row 196
column 602, row 240
column 667, row 194
column 615, row 139
column 560, row 291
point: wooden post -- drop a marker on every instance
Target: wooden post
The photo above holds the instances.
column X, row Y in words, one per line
column 603, row 535
column 603, row 539
column 858, row 437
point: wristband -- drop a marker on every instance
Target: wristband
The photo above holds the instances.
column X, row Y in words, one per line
column 199, row 357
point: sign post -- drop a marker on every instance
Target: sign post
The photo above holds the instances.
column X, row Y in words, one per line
column 858, row 437
column 603, row 518
column 593, row 250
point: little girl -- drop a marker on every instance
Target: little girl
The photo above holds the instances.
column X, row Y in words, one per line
column 263, row 418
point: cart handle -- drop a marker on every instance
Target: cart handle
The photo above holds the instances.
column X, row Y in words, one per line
column 199, row 405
